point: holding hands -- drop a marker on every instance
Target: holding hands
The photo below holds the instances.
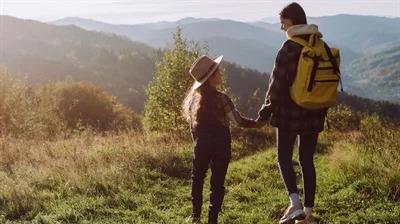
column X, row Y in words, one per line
column 260, row 123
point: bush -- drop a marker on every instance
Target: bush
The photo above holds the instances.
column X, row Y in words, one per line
column 51, row 110
column 84, row 104
column 342, row 118
column 379, row 139
column 23, row 114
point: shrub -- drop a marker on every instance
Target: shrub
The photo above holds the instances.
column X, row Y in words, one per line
column 342, row 118
column 23, row 114
column 84, row 104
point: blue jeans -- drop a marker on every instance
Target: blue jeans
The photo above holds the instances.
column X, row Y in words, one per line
column 307, row 146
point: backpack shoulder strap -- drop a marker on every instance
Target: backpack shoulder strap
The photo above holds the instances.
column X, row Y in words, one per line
column 312, row 40
column 334, row 64
column 300, row 41
column 331, row 58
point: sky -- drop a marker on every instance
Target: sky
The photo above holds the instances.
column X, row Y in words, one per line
column 146, row 11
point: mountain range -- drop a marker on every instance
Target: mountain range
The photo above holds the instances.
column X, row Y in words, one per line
column 376, row 74
column 353, row 34
column 235, row 40
column 40, row 53
column 255, row 44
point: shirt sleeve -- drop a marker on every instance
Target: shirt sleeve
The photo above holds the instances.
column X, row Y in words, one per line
column 278, row 83
column 234, row 115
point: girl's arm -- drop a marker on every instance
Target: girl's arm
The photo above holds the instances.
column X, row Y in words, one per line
column 234, row 115
column 240, row 120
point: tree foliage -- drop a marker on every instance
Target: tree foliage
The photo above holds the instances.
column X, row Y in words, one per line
column 167, row 90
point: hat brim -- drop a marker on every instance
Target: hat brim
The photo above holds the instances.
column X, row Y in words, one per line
column 197, row 84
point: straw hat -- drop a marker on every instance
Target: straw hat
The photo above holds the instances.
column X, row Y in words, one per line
column 203, row 68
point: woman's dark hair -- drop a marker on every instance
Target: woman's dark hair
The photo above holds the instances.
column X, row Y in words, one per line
column 294, row 12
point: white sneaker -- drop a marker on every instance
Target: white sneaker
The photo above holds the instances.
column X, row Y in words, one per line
column 192, row 219
column 308, row 220
column 294, row 212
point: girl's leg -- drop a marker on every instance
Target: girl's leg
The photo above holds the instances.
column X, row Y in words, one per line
column 219, row 170
column 307, row 147
column 219, row 167
column 201, row 162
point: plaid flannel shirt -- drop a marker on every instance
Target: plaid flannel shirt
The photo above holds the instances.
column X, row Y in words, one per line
column 279, row 108
column 224, row 112
column 225, row 104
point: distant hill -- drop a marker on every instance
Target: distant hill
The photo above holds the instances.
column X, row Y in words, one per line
column 271, row 20
column 386, row 110
column 41, row 53
column 358, row 33
column 377, row 74
column 159, row 34
column 248, row 45
column 353, row 34
column 248, row 54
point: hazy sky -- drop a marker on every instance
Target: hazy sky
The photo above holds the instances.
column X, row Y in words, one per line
column 140, row 11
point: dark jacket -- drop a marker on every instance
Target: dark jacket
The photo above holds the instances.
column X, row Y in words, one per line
column 279, row 108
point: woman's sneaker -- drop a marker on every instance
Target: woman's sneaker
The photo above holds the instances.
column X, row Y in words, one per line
column 308, row 220
column 294, row 212
column 193, row 219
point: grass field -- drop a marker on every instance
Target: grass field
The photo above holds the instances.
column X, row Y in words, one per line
column 145, row 178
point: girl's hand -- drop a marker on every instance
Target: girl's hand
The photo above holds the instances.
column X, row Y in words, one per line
column 260, row 123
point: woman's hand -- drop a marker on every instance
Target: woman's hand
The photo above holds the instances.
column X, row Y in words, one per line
column 260, row 123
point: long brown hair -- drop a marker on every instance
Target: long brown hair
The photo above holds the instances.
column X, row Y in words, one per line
column 194, row 102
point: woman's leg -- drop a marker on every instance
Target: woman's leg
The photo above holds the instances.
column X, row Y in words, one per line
column 307, row 146
column 285, row 143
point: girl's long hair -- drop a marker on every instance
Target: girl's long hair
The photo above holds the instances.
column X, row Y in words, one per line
column 189, row 107
column 193, row 106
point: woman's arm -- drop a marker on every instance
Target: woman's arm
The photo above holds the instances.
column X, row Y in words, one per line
column 278, row 82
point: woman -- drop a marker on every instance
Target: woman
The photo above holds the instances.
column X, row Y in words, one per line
column 292, row 120
column 208, row 112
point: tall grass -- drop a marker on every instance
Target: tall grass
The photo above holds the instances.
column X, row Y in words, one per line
column 36, row 172
column 51, row 172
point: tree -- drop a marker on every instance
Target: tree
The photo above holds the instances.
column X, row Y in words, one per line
column 171, row 82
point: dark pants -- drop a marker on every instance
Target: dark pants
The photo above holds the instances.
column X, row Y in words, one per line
column 307, row 146
column 216, row 153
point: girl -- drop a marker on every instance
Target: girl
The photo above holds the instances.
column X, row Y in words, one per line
column 208, row 112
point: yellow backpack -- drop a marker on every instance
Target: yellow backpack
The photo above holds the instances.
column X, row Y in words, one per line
column 318, row 74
